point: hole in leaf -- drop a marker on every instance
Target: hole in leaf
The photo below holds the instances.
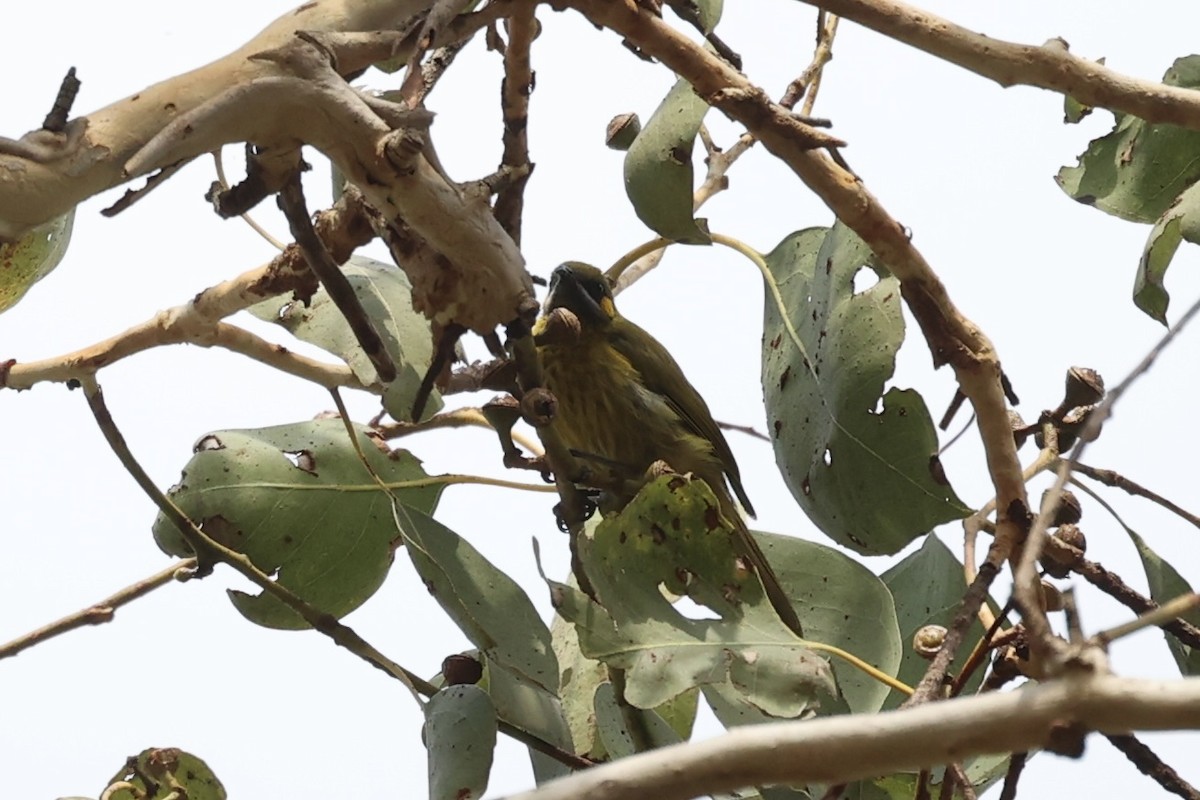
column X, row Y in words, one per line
column 693, row 610
column 828, row 457
column 864, row 279
column 209, row 442
column 303, row 460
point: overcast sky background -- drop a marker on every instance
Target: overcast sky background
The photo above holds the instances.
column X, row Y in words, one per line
column 967, row 166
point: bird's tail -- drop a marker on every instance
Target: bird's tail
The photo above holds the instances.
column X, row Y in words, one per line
column 747, row 546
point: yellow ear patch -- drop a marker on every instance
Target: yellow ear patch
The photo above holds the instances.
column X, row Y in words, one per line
column 606, row 305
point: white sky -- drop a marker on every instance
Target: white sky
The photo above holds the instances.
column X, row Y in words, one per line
column 967, row 166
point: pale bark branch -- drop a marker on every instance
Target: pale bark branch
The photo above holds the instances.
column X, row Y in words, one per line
column 43, row 176
column 101, row 612
column 279, row 92
column 847, row 748
column 1048, row 66
column 196, row 322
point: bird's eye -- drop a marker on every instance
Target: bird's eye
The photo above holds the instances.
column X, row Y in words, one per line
column 596, row 289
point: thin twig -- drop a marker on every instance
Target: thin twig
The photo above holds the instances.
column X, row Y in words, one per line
column 992, row 638
column 342, row 228
column 1167, row 612
column 930, row 687
column 1025, row 578
column 749, row 430
column 1111, row 584
column 716, row 178
column 101, row 612
column 1016, row 765
column 1148, row 763
column 956, row 776
column 455, row 418
column 219, row 165
column 1111, row 478
column 291, row 201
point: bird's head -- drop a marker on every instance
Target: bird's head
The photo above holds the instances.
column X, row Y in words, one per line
column 584, row 291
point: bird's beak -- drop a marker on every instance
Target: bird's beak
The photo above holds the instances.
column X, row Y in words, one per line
column 566, row 292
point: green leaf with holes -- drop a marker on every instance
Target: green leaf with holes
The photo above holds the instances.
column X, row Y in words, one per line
column 386, row 297
column 165, row 773
column 1146, row 172
column 300, row 504
column 1180, row 223
column 32, row 257
column 1137, row 170
column 671, row 537
column 862, row 463
column 585, row 712
column 658, row 167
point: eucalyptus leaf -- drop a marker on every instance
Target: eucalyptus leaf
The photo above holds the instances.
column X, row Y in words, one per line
column 488, row 606
column 386, row 296
column 658, row 167
column 1166, row 584
column 580, row 678
column 32, row 257
column 1146, row 172
column 862, row 463
column 630, row 730
column 1137, row 170
column 928, row 586
column 165, row 773
column 460, row 737
column 842, row 604
column 300, row 504
column 531, row 708
column 1180, row 223
column 671, row 536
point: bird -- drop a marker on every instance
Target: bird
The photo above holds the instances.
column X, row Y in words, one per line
column 624, row 404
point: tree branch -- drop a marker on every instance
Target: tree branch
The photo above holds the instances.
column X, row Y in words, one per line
column 101, row 612
column 1049, row 66
column 846, row 748
column 47, row 175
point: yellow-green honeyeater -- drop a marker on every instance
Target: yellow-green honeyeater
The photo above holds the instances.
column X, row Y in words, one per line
column 624, row 404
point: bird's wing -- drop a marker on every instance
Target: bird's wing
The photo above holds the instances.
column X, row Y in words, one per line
column 662, row 375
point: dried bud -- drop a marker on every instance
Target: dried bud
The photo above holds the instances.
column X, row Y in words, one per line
column 502, row 413
column 1052, row 597
column 1085, row 387
column 1019, row 428
column 1068, row 511
column 561, row 326
column 928, row 640
column 1058, row 561
column 538, row 407
column 461, row 669
column 622, row 130
column 1072, row 535
column 1006, row 665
